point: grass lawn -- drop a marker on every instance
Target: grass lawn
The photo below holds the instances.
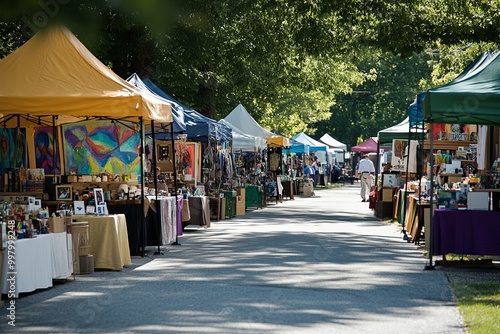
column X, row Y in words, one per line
column 479, row 304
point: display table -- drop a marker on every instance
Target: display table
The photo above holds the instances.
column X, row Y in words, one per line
column 132, row 211
column 33, row 265
column 62, row 255
column 253, row 197
column 199, row 211
column 108, row 240
column 467, row 232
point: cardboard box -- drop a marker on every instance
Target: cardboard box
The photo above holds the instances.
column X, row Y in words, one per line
column 242, row 193
column 240, row 206
column 57, row 224
column 387, row 194
column 72, row 178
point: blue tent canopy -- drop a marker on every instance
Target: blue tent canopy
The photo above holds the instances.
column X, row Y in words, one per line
column 177, row 109
column 313, row 144
column 296, row 147
column 198, row 126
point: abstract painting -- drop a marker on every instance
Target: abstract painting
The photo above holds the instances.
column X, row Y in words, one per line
column 47, row 152
column 95, row 147
column 12, row 149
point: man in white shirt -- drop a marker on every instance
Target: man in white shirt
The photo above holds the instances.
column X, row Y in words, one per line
column 365, row 171
column 315, row 167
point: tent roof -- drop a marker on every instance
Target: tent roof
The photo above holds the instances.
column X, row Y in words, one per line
column 198, row 126
column 313, row 144
column 332, row 142
column 471, row 98
column 297, row 147
column 368, row 146
column 398, row 131
column 241, row 119
column 54, row 74
column 177, row 110
column 245, row 142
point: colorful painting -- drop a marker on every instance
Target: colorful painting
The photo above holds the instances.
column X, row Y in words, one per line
column 47, row 152
column 95, row 147
column 12, row 149
column 190, row 170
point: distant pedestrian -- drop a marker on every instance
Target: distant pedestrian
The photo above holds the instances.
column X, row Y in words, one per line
column 365, row 170
column 309, row 171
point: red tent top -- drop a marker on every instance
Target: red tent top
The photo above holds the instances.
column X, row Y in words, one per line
column 368, row 146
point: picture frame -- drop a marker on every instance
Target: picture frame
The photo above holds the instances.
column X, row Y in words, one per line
column 98, row 195
column 101, row 209
column 79, row 207
column 64, row 192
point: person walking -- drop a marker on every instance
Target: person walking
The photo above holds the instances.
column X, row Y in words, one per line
column 365, row 171
column 315, row 166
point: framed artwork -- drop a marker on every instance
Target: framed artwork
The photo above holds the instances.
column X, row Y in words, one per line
column 12, row 148
column 64, row 192
column 101, row 209
column 98, row 146
column 47, row 152
column 98, row 196
column 79, row 207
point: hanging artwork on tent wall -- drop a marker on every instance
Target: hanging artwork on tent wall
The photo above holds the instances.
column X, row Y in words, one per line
column 47, row 151
column 102, row 146
column 400, row 155
column 12, row 148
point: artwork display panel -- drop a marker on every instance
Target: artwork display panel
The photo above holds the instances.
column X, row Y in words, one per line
column 47, row 152
column 12, row 149
column 94, row 147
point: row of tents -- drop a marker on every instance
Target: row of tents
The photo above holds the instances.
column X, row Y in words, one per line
column 53, row 79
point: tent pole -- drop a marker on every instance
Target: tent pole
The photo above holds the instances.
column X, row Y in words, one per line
column 430, row 266
column 377, row 169
column 141, row 221
column 176, row 242
column 405, row 236
column 155, row 180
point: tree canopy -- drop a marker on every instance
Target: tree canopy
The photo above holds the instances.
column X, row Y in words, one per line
column 347, row 68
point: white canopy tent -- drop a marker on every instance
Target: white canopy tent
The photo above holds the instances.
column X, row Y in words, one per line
column 339, row 149
column 245, row 142
column 240, row 118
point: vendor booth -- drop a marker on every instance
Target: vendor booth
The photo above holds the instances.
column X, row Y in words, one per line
column 272, row 158
column 340, row 168
column 318, row 150
column 53, row 79
column 472, row 98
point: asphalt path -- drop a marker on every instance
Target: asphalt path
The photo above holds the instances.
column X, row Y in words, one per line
column 323, row 264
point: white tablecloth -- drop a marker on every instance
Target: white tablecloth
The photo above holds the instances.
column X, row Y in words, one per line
column 62, row 257
column 33, row 265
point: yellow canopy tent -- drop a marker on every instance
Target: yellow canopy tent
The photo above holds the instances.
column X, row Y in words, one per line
column 55, row 74
column 278, row 141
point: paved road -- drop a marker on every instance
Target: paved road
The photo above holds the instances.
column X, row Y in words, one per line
column 312, row 265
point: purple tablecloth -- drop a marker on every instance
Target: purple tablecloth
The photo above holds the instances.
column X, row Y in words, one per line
column 179, row 215
column 466, row 232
